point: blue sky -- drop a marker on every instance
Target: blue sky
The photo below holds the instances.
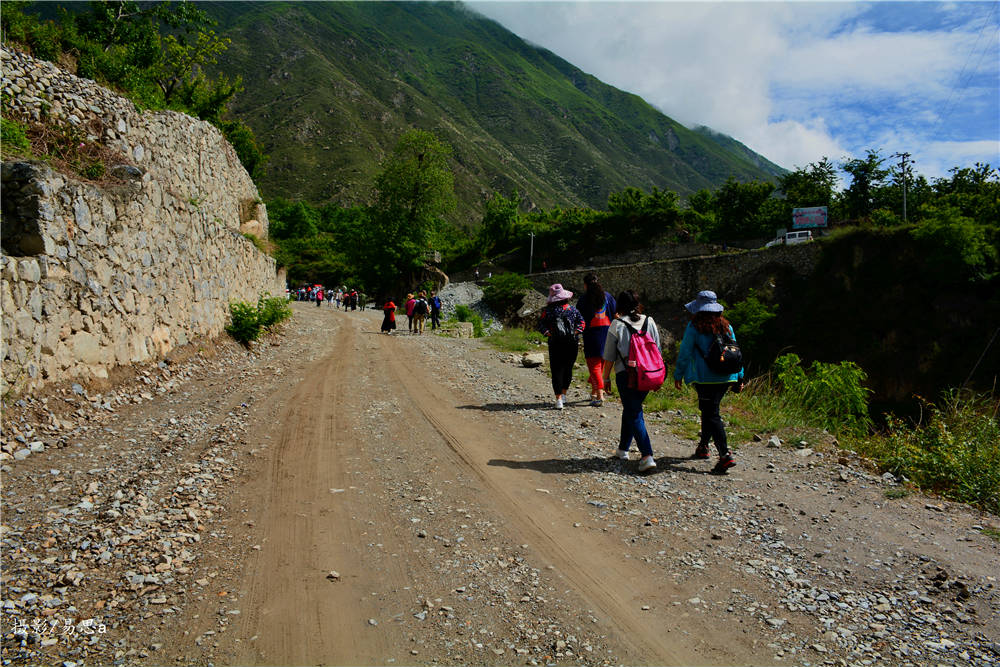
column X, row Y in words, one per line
column 795, row 81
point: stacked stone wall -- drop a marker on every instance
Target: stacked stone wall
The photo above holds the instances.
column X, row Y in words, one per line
column 665, row 285
column 101, row 276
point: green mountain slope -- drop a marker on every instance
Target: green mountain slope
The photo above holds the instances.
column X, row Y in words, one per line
column 330, row 86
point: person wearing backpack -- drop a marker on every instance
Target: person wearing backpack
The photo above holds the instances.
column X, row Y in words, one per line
column 630, row 332
column 419, row 312
column 710, row 360
column 597, row 308
column 409, row 311
column 561, row 323
column 435, row 303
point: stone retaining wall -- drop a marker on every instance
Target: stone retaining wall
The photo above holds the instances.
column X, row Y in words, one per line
column 665, row 285
column 97, row 277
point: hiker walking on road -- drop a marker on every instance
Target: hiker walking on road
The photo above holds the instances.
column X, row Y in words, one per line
column 389, row 319
column 410, row 301
column 435, row 303
column 700, row 335
column 629, row 318
column 561, row 323
column 319, row 297
column 597, row 308
column 419, row 312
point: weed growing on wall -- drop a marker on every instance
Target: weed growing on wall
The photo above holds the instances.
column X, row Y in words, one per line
column 13, row 138
column 70, row 149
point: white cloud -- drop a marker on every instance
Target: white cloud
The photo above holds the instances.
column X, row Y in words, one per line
column 794, row 81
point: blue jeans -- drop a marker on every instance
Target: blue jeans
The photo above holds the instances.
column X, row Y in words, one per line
column 633, row 423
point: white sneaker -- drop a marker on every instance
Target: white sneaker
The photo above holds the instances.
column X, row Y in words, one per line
column 559, row 403
column 647, row 463
column 621, row 454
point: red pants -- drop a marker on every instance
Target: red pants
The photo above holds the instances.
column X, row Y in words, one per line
column 596, row 367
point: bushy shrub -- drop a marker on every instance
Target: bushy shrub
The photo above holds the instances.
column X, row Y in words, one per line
column 248, row 320
column 750, row 318
column 503, row 292
column 953, row 452
column 833, row 393
column 244, row 323
column 465, row 314
column 272, row 310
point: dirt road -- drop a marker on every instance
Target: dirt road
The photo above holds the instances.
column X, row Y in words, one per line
column 414, row 500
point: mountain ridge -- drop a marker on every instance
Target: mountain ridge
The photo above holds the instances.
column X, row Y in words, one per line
column 329, row 87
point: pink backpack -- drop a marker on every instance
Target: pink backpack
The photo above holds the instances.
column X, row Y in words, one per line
column 644, row 363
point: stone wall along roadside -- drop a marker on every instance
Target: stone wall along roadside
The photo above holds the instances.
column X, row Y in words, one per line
column 99, row 277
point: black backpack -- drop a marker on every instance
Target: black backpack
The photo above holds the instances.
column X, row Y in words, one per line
column 562, row 327
column 723, row 356
column 420, row 307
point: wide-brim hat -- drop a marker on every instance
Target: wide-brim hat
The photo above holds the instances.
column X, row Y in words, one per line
column 706, row 302
column 558, row 293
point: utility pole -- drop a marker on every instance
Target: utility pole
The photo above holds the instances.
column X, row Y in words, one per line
column 903, row 157
column 531, row 252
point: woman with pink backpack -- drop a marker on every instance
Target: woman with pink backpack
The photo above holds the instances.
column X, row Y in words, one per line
column 634, row 379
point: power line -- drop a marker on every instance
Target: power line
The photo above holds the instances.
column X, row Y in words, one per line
column 960, row 84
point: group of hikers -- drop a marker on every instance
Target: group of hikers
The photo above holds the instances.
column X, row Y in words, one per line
column 618, row 337
column 346, row 297
column 417, row 309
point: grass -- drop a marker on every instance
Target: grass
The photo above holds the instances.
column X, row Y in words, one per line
column 992, row 533
column 514, row 339
column 896, row 493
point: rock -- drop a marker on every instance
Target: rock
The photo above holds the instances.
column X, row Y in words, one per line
column 532, row 359
column 333, row 575
column 774, row 442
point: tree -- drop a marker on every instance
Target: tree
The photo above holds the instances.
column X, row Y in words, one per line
column 413, row 191
column 737, row 210
column 499, row 219
column 812, row 185
column 868, row 178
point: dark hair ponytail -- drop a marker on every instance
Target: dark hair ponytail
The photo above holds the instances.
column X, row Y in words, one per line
column 595, row 293
column 629, row 304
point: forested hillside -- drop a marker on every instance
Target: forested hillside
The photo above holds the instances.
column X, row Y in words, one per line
column 330, row 87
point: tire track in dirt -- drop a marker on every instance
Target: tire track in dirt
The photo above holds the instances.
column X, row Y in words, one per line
column 294, row 615
column 589, row 565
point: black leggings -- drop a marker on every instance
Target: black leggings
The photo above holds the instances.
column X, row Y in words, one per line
column 562, row 355
column 712, row 428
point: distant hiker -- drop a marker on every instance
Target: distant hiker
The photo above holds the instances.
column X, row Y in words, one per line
column 354, row 299
column 361, row 300
column 409, row 311
column 435, row 303
column 561, row 323
column 420, row 309
column 329, row 297
column 476, row 274
column 389, row 319
column 597, row 308
column 706, row 323
column 629, row 318
column 319, row 297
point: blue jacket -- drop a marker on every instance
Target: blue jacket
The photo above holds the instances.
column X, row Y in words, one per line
column 691, row 366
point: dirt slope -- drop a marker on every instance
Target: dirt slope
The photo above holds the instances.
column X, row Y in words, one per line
column 345, row 497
